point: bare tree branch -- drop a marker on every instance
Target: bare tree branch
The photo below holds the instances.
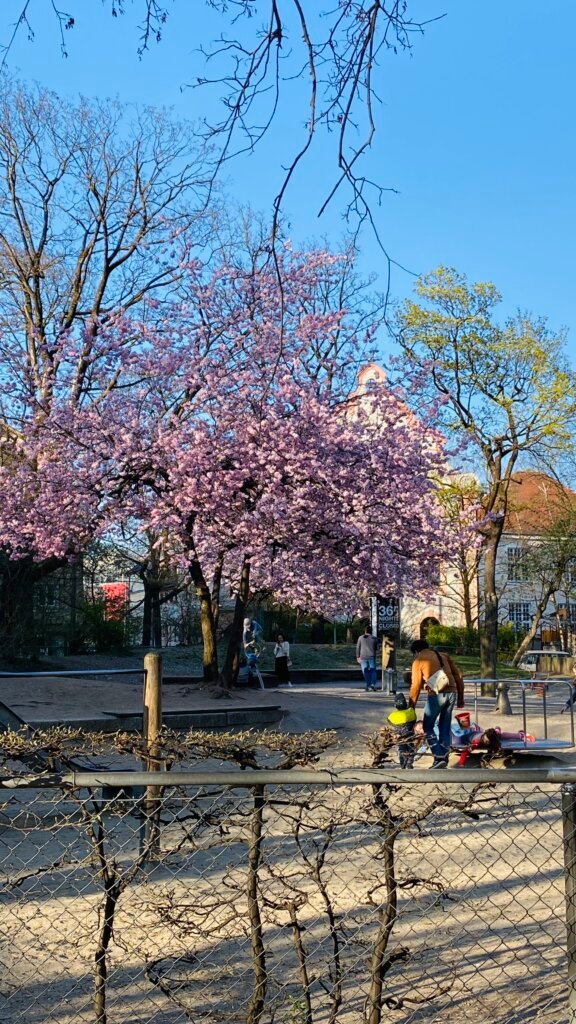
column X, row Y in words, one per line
column 266, row 45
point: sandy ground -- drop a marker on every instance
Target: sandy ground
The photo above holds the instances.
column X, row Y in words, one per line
column 480, row 910
column 343, row 706
column 480, row 927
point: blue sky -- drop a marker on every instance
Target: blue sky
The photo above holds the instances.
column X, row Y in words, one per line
column 476, row 132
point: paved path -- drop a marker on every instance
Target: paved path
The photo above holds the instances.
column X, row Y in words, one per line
column 342, row 706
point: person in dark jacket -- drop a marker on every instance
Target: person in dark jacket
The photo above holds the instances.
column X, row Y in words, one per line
column 366, row 657
column 403, row 721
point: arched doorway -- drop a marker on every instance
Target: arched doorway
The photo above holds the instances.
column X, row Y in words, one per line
column 430, row 620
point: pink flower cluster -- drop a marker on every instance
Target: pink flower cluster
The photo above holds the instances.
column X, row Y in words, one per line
column 223, row 424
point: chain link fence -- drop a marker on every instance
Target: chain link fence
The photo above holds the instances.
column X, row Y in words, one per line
column 293, row 898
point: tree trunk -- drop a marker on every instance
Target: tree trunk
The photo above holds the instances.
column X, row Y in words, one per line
column 305, row 1014
column 75, row 577
column 527, row 641
column 536, row 619
column 318, row 623
column 335, row 972
column 147, row 615
column 156, row 618
column 380, row 963
column 101, row 958
column 210, row 652
column 207, row 625
column 16, row 613
column 468, row 620
column 489, row 637
column 232, row 662
column 151, row 615
column 216, row 585
column 467, row 601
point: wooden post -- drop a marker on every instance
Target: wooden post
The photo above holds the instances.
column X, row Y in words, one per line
column 151, row 726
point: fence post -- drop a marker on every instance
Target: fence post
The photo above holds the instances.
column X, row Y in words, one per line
column 524, row 716
column 569, row 705
column 569, row 836
column 503, row 705
column 151, row 726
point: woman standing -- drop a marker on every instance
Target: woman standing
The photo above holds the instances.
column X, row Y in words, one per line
column 282, row 661
column 441, row 696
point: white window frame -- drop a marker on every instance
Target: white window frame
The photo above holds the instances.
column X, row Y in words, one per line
column 520, row 614
column 516, row 567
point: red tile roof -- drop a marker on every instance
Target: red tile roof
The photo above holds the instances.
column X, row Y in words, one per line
column 536, row 502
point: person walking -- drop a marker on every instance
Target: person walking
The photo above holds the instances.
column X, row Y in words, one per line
column 366, row 657
column 282, row 661
column 442, row 680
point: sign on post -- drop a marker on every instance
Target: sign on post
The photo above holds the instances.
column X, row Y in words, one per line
column 385, row 621
column 388, row 615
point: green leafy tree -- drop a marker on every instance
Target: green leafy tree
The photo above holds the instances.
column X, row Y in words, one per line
column 504, row 391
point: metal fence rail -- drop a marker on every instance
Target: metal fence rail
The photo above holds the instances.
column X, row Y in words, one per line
column 532, row 698
column 289, row 897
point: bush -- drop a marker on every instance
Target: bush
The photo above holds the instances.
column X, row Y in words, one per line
column 509, row 639
column 455, row 639
column 95, row 632
column 459, row 640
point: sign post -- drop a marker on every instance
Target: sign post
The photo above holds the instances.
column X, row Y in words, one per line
column 385, row 623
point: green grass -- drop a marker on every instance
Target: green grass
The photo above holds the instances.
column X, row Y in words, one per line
column 304, row 656
column 470, row 666
column 319, row 656
column 188, row 660
column 343, row 656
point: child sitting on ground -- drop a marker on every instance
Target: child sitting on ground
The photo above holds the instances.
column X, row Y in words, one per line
column 403, row 721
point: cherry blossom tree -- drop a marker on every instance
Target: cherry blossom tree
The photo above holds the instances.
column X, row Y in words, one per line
column 249, row 454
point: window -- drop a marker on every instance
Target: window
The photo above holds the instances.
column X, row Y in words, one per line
column 519, row 614
column 517, row 564
column 48, row 594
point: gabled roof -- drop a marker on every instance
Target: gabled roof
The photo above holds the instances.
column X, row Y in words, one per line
column 536, row 502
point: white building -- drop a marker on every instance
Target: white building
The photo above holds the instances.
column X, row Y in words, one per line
column 536, row 503
column 539, row 508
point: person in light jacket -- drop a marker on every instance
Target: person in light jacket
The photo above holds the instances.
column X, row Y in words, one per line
column 282, row 660
column 439, row 706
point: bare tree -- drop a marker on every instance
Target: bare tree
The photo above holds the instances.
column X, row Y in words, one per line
column 461, row 499
column 263, row 46
column 96, row 202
